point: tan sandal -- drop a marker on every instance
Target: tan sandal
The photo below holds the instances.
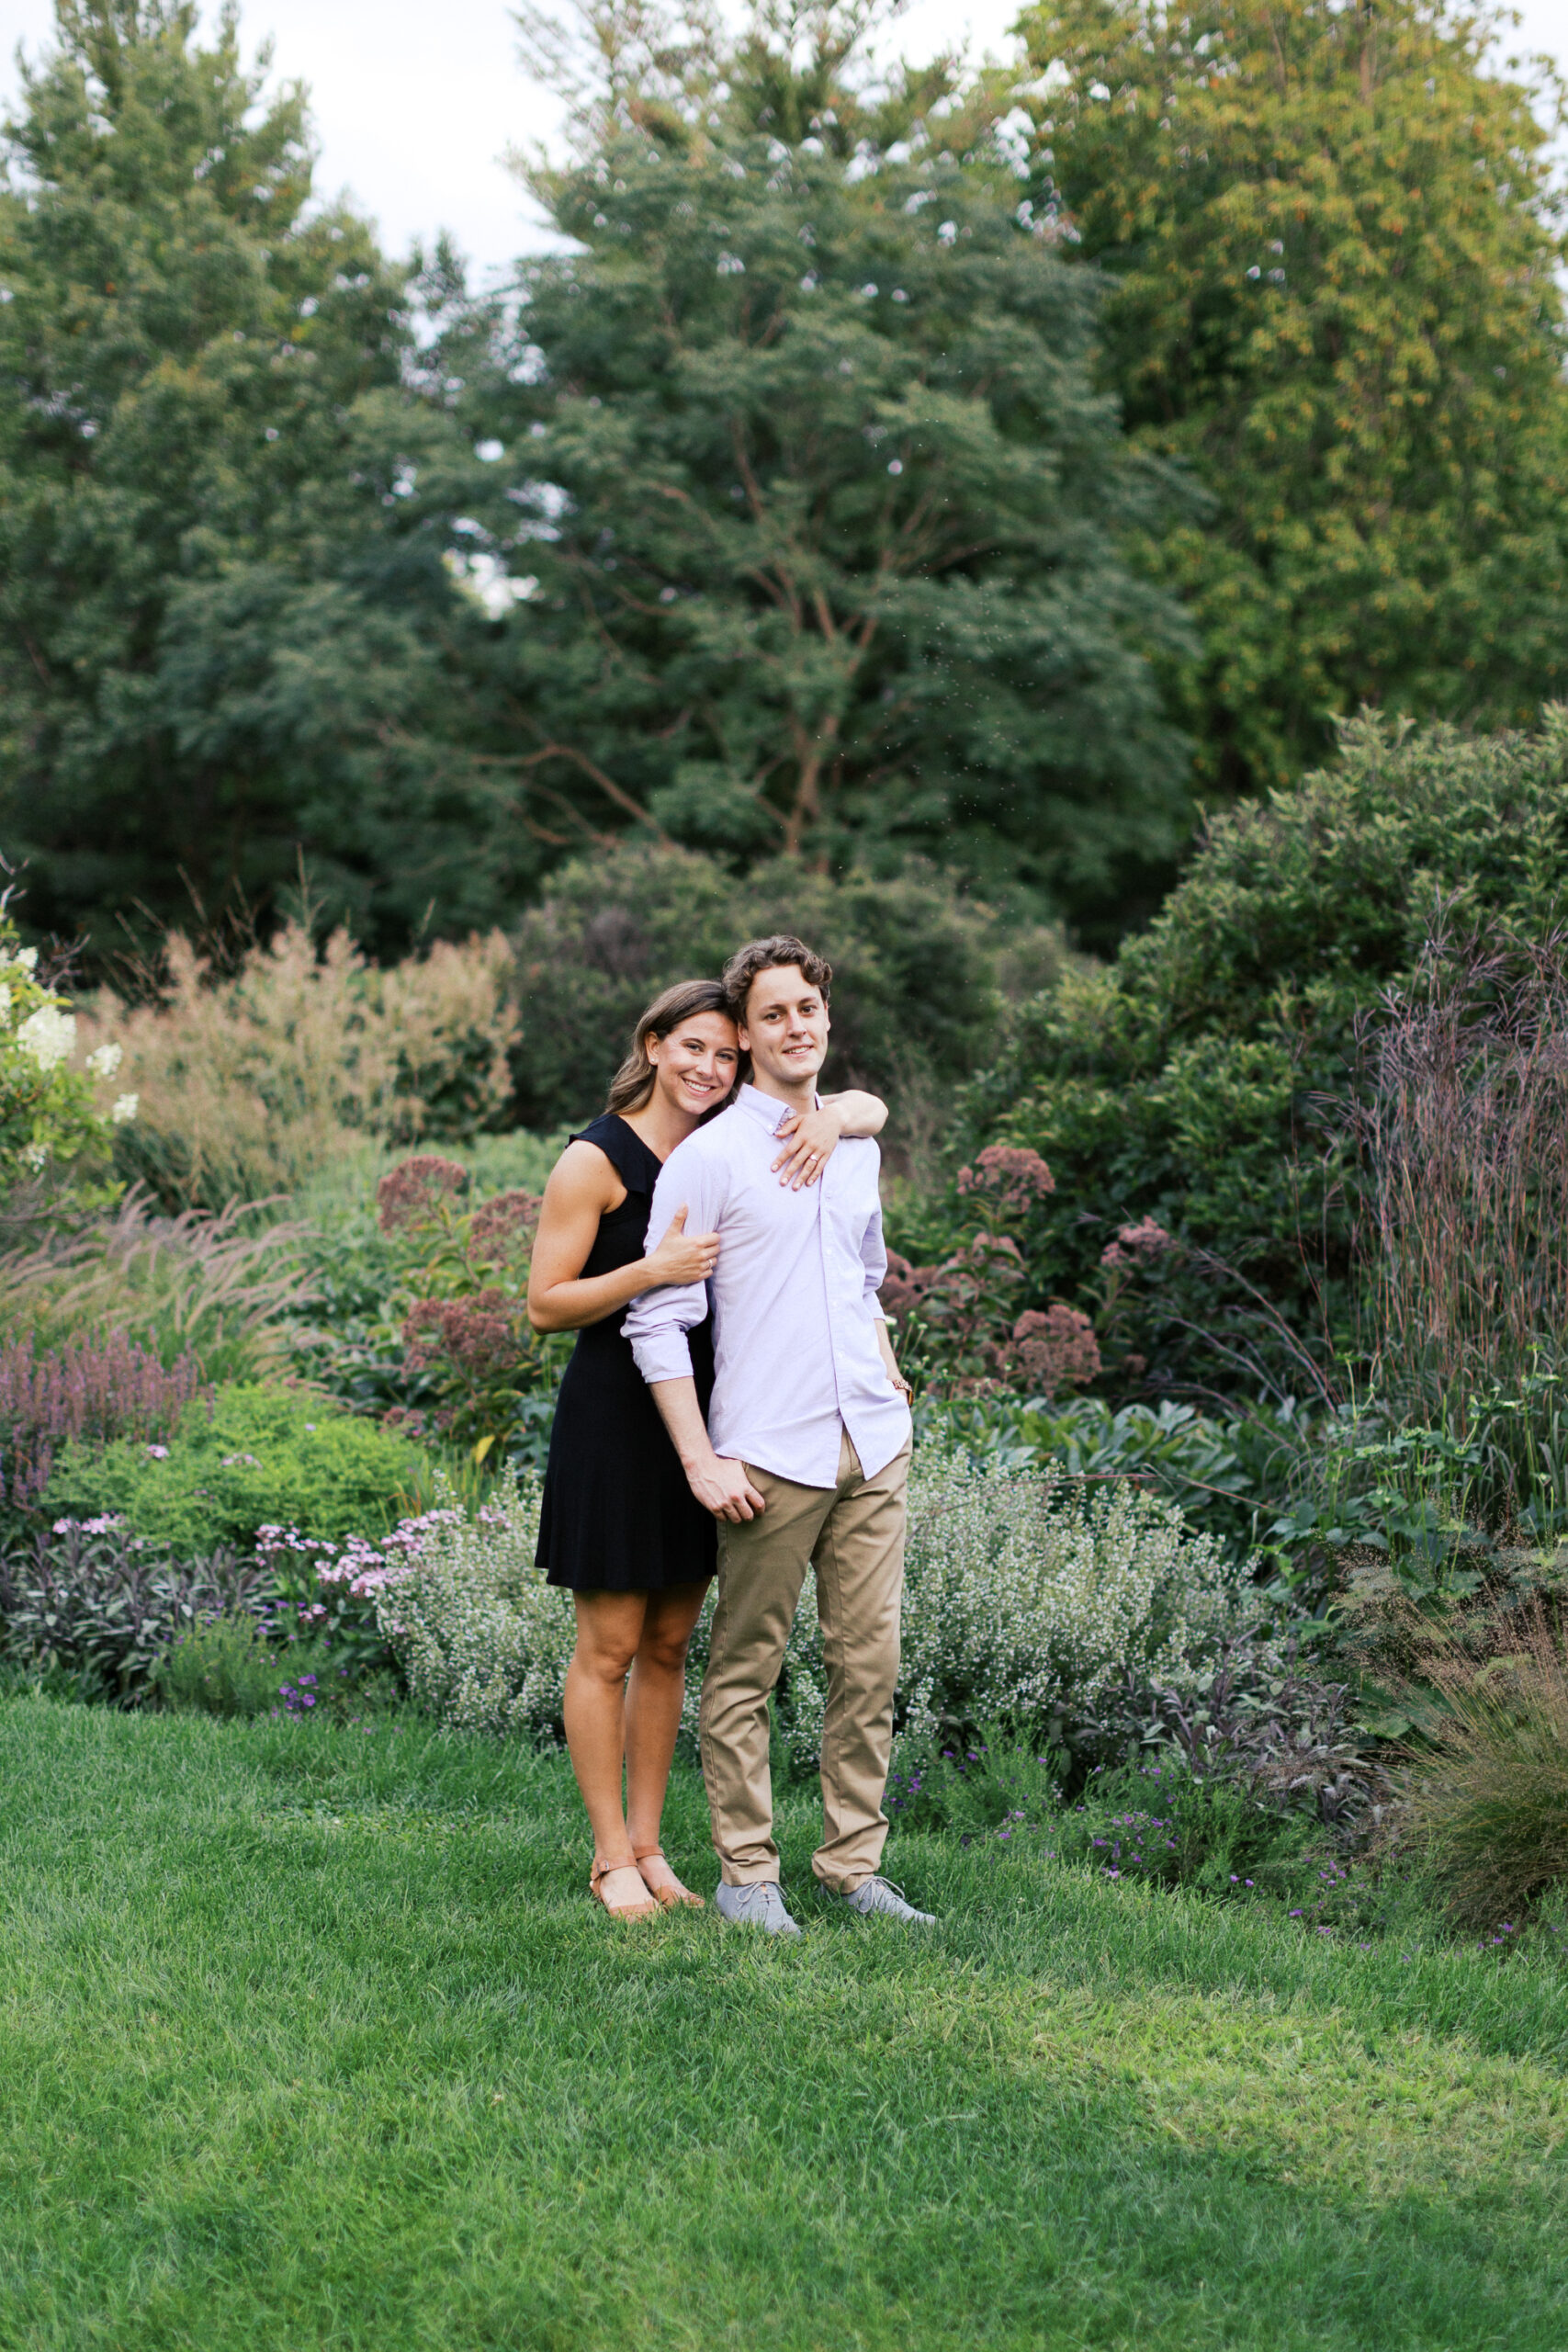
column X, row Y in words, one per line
column 668, row 1897
column 597, row 1875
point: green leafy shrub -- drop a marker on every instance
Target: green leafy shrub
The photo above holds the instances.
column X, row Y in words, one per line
column 482, row 1641
column 265, row 1456
column 95, row 1608
column 223, row 1667
column 1186, row 1083
column 916, row 969
column 1021, row 1602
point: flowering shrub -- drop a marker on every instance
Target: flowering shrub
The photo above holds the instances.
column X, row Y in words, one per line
column 471, row 1357
column 1024, row 1602
column 960, row 1331
column 48, row 1111
column 97, row 1389
column 482, row 1640
column 322, row 1589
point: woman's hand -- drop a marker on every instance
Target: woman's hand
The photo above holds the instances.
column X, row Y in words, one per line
column 681, row 1257
column 812, row 1140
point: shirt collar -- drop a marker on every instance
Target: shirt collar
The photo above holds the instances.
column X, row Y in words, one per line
column 765, row 1107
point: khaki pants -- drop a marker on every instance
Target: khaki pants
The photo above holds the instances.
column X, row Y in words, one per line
column 853, row 1533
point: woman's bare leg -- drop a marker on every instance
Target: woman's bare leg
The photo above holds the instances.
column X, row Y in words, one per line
column 654, row 1699
column 609, row 1628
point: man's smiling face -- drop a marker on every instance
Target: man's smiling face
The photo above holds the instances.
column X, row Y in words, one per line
column 784, row 1028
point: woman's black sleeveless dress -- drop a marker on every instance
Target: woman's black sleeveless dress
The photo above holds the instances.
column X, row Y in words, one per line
column 618, row 1515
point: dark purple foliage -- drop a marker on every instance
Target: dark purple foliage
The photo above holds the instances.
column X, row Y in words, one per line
column 102, row 1606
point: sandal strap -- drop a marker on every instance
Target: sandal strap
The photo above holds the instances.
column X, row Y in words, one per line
column 646, row 1853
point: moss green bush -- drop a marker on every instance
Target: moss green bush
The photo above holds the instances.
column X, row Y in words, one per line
column 267, row 1456
column 919, row 973
column 1192, row 1082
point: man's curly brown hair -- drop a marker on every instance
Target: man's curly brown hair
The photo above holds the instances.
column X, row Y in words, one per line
column 772, row 954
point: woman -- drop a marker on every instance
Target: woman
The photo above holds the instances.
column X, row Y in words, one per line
column 620, row 1528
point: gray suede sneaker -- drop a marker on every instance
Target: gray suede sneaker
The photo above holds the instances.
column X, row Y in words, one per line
column 755, row 1907
column 878, row 1898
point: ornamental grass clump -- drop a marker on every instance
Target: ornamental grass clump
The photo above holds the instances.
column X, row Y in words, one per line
column 1486, row 1801
column 251, row 1081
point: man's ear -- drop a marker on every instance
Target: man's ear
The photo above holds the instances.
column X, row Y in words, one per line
column 741, row 1034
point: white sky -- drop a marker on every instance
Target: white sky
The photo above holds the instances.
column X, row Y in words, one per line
column 414, row 104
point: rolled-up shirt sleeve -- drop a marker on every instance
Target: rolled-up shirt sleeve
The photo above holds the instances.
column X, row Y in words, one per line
column 658, row 1321
column 873, row 1253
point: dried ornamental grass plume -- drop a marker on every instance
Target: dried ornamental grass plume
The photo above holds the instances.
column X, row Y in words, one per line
column 207, row 1286
column 247, row 1084
column 417, row 1189
column 1488, row 1801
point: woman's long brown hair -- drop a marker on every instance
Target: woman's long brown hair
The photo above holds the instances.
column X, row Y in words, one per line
column 633, row 1082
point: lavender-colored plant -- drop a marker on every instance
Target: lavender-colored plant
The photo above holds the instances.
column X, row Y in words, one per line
column 97, row 1389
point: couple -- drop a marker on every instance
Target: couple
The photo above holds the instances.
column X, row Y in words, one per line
column 770, row 1436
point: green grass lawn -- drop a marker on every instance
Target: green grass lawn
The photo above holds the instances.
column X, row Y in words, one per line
column 311, row 2037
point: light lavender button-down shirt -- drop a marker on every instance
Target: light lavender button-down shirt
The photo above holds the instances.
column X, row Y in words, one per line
column 795, row 1304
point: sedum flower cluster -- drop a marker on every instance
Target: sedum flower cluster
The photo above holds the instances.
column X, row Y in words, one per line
column 48, row 1111
column 1025, row 1600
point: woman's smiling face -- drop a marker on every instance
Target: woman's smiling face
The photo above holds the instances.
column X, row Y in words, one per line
column 694, row 1066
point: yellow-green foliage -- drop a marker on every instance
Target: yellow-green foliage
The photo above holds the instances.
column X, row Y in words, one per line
column 248, row 1084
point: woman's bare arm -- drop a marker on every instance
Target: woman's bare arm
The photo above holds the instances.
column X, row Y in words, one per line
column 583, row 1186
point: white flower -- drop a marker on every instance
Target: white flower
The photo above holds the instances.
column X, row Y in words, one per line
column 48, row 1035
column 26, row 959
column 104, row 1061
column 124, row 1108
column 35, row 1155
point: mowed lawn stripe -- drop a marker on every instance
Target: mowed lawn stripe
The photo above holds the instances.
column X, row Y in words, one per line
column 311, row 2038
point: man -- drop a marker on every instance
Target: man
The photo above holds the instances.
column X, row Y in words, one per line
column 808, row 1456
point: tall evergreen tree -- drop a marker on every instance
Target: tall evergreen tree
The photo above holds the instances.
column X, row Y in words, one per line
column 1334, row 245
column 229, row 634
column 819, row 509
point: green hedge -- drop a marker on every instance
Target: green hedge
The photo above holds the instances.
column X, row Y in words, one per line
column 919, row 972
column 1193, row 1081
column 266, row 1457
